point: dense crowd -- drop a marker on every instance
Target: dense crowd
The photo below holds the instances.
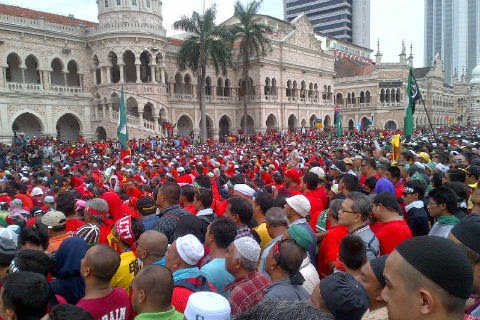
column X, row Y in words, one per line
column 276, row 225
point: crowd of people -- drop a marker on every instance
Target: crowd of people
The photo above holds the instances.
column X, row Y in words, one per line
column 269, row 226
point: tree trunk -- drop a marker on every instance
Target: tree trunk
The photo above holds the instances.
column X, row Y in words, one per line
column 203, row 111
column 247, row 90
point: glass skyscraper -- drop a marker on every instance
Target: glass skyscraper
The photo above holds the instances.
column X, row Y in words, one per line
column 452, row 30
column 346, row 20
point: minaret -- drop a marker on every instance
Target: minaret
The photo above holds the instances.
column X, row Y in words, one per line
column 403, row 55
column 410, row 57
column 378, row 55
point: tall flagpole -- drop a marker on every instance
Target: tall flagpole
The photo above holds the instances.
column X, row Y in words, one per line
column 429, row 122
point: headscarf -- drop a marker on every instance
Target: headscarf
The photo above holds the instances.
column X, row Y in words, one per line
column 69, row 282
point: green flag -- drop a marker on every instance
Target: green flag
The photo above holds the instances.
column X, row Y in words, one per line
column 122, row 132
column 413, row 94
column 338, row 122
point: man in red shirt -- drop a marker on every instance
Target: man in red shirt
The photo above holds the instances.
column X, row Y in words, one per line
column 330, row 245
column 97, row 268
column 391, row 229
column 308, row 185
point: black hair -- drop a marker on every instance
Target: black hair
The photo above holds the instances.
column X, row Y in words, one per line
column 388, row 200
column 394, row 172
column 204, row 182
column 311, row 180
column 371, row 182
column 67, row 312
column 444, row 195
column 205, row 196
column 36, row 234
column 353, row 252
column 457, row 175
column 34, row 261
column 188, row 192
column 418, row 186
column 26, row 294
column 224, row 231
column 264, row 200
column 66, row 203
column 241, row 207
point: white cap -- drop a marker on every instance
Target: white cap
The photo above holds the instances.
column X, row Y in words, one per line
column 208, row 306
column 244, row 189
column 319, row 172
column 37, row 191
column 190, row 249
column 300, row 204
column 248, row 248
column 180, row 169
column 11, row 232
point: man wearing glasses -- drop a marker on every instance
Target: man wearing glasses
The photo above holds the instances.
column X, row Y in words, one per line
column 353, row 214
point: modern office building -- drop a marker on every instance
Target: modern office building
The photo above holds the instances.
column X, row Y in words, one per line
column 346, row 20
column 451, row 30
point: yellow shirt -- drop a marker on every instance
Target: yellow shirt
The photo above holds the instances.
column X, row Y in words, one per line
column 126, row 271
column 263, row 233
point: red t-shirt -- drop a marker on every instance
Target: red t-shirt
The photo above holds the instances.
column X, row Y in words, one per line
column 391, row 234
column 116, row 303
column 317, row 207
column 72, row 225
column 329, row 248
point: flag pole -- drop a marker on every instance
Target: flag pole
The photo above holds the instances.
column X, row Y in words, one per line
column 429, row 122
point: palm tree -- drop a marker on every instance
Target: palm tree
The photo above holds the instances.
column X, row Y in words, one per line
column 206, row 43
column 253, row 42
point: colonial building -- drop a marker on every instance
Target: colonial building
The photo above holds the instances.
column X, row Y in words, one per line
column 373, row 94
column 61, row 76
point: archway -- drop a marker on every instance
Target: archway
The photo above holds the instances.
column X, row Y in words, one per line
column 115, row 69
column 132, row 107
column 68, row 127
column 28, row 124
column 185, row 126
column 313, row 121
column 390, row 125
column 224, row 126
column 73, row 78
column 351, row 125
column 32, row 75
column 13, row 72
column 129, row 69
column 209, row 126
column 271, row 122
column 292, row 123
column 327, row 121
column 365, row 123
column 250, row 124
column 148, row 112
column 56, row 75
column 101, row 133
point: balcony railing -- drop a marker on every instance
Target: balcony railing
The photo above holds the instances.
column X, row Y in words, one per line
column 62, row 89
column 16, row 86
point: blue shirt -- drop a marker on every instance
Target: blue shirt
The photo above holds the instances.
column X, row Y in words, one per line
column 217, row 274
column 149, row 221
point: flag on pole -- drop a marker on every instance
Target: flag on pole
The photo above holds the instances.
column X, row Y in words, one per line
column 413, row 94
column 338, row 121
column 122, row 132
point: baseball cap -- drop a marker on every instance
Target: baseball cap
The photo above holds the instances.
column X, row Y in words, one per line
column 37, row 191
column 300, row 204
column 54, row 219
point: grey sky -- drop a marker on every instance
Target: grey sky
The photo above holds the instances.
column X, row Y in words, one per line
column 390, row 20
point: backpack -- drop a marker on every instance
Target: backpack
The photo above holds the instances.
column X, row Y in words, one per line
column 200, row 284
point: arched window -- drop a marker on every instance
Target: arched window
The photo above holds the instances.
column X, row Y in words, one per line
column 56, row 75
column 349, row 98
column 274, row 87
column 329, row 92
column 106, row 3
column 387, row 95
column 339, row 99
column 302, row 90
column 294, row 88
column 178, row 85
column 13, row 71
column 267, row 87
column 353, row 98
column 362, row 97
column 145, row 70
column 398, row 96
column 119, row 2
column 315, row 89
column 115, row 69
column 219, row 87
column 310, row 90
column 367, row 96
column 134, row 2
column 129, row 70
column 32, row 74
column 148, row 3
column 73, row 79
column 289, row 88
column 324, row 94
column 382, row 96
column 187, row 84
column 208, row 86
column 227, row 92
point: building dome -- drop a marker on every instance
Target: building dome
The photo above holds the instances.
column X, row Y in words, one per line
column 476, row 75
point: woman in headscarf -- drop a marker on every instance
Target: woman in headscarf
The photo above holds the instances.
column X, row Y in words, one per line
column 68, row 281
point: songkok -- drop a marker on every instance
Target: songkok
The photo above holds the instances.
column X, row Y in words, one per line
column 244, row 189
column 207, row 305
column 190, row 249
column 442, row 167
column 467, row 231
column 248, row 248
column 378, row 265
column 301, row 236
column 427, row 253
column 300, row 204
column 344, row 296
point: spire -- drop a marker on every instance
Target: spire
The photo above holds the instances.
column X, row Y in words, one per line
column 402, row 55
column 410, row 57
column 378, row 56
column 403, row 46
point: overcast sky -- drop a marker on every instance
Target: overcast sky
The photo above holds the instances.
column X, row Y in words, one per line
column 390, row 20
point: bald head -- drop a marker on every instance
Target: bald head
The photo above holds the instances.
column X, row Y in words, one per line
column 103, row 262
column 155, row 282
column 152, row 246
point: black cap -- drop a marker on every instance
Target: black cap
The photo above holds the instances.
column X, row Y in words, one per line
column 146, row 206
column 467, row 231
